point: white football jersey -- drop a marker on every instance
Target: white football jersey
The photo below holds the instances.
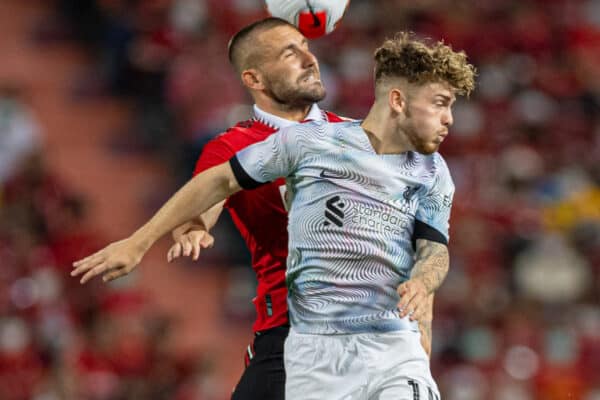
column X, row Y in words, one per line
column 353, row 218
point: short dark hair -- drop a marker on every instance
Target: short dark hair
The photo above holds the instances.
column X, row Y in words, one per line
column 241, row 44
column 405, row 56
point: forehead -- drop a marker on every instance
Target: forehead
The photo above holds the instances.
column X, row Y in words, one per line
column 278, row 38
column 433, row 89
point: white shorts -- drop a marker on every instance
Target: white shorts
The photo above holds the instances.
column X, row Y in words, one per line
column 363, row 366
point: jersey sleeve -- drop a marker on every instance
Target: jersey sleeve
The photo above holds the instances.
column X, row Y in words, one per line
column 275, row 157
column 215, row 152
column 433, row 214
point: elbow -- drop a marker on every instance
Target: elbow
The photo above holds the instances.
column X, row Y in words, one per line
column 227, row 180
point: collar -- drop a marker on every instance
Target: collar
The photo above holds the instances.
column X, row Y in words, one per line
column 314, row 114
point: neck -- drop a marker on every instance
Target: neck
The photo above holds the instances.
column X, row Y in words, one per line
column 292, row 113
column 384, row 133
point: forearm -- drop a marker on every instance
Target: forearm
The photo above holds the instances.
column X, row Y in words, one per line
column 204, row 222
column 210, row 217
column 431, row 265
column 425, row 324
column 197, row 196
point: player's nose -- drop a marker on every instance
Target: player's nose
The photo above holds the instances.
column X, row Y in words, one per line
column 308, row 59
column 447, row 118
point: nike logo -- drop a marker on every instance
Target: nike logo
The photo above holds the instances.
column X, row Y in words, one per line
column 324, row 174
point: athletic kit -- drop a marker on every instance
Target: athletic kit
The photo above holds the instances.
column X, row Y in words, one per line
column 354, row 217
column 261, row 218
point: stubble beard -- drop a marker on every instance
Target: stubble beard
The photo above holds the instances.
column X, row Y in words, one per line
column 420, row 145
column 295, row 95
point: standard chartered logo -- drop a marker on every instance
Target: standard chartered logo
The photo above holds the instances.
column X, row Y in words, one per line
column 385, row 219
column 379, row 219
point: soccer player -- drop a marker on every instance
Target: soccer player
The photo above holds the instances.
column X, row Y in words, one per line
column 282, row 76
column 369, row 204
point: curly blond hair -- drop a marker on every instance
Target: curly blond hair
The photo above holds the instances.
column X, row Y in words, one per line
column 404, row 56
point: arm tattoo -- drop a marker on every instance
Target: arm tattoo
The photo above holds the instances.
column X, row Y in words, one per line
column 432, row 264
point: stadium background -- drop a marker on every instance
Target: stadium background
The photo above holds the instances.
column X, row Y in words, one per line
column 105, row 104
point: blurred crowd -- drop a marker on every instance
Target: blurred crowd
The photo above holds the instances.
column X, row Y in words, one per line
column 518, row 317
column 58, row 339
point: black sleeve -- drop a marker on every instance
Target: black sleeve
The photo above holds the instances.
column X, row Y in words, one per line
column 424, row 231
column 244, row 180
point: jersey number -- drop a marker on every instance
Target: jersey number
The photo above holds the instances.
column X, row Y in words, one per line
column 417, row 395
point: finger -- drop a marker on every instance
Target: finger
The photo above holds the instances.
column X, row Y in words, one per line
column 414, row 307
column 405, row 295
column 196, row 251
column 177, row 250
column 83, row 260
column 407, row 311
column 187, row 247
column 207, row 241
column 89, row 259
column 97, row 270
column 417, row 315
column 406, row 303
column 114, row 275
column 86, row 266
column 414, row 311
column 171, row 252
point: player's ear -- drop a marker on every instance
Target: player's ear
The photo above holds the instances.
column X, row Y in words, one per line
column 252, row 79
column 397, row 100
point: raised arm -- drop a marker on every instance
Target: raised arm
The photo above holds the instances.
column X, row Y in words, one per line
column 193, row 199
column 257, row 164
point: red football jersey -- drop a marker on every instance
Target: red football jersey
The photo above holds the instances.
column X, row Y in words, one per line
column 261, row 218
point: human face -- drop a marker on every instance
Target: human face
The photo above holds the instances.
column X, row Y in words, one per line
column 290, row 71
column 428, row 115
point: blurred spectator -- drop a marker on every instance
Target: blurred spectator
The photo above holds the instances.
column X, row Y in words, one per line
column 19, row 131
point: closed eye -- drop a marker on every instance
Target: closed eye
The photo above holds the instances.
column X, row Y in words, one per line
column 443, row 101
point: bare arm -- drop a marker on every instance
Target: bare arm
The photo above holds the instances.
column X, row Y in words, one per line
column 430, row 269
column 205, row 222
column 433, row 262
column 193, row 199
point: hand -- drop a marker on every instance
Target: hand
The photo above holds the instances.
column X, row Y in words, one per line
column 115, row 260
column 190, row 243
column 413, row 299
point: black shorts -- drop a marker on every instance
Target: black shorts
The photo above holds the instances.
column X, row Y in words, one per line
column 264, row 376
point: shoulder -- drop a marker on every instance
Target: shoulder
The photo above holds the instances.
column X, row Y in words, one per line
column 243, row 134
column 430, row 166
